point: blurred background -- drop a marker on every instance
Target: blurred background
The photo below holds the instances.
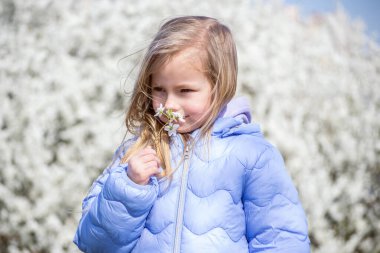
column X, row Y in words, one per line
column 310, row 68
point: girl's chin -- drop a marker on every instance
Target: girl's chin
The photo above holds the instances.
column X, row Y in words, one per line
column 182, row 130
column 185, row 129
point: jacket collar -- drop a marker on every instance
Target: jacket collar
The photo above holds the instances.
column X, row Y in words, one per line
column 235, row 119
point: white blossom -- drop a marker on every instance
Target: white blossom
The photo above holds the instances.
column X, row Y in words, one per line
column 160, row 111
column 313, row 84
column 171, row 117
column 171, row 128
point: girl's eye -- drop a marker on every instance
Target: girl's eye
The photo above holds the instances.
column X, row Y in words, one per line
column 157, row 89
column 186, row 90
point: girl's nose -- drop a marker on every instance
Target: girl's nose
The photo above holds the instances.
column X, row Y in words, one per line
column 171, row 103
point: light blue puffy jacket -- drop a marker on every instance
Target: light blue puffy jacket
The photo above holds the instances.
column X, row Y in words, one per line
column 231, row 196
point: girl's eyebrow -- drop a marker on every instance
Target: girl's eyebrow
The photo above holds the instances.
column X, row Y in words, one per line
column 179, row 85
column 184, row 85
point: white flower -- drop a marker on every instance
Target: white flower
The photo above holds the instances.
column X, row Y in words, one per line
column 178, row 116
column 171, row 129
column 159, row 111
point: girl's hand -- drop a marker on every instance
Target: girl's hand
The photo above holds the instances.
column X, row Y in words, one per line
column 143, row 165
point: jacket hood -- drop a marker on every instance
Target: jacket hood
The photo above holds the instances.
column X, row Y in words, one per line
column 235, row 119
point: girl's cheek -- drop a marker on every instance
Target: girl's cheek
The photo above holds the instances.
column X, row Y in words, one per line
column 154, row 104
column 163, row 119
column 157, row 100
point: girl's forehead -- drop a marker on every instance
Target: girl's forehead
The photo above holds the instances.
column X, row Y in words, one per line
column 191, row 57
column 184, row 67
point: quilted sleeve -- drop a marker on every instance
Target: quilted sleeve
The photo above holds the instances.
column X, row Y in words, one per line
column 114, row 212
column 275, row 219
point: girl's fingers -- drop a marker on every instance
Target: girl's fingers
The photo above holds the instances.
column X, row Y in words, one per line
column 143, row 165
column 152, row 164
column 159, row 171
column 149, row 157
column 149, row 154
column 147, row 150
column 141, row 162
column 153, row 171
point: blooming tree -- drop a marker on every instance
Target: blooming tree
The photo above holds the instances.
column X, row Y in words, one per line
column 64, row 86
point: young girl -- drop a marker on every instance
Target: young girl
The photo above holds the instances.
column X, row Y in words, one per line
column 197, row 176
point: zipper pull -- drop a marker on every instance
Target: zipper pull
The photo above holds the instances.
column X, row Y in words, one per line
column 187, row 151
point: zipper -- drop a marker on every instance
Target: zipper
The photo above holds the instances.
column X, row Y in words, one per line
column 181, row 201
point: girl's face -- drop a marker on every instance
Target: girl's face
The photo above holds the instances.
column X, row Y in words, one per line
column 181, row 85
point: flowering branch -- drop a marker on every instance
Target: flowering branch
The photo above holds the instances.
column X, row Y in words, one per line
column 172, row 117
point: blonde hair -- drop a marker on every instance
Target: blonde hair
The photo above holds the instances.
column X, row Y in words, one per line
column 219, row 61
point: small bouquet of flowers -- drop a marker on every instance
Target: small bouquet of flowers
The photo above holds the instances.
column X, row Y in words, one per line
column 173, row 117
